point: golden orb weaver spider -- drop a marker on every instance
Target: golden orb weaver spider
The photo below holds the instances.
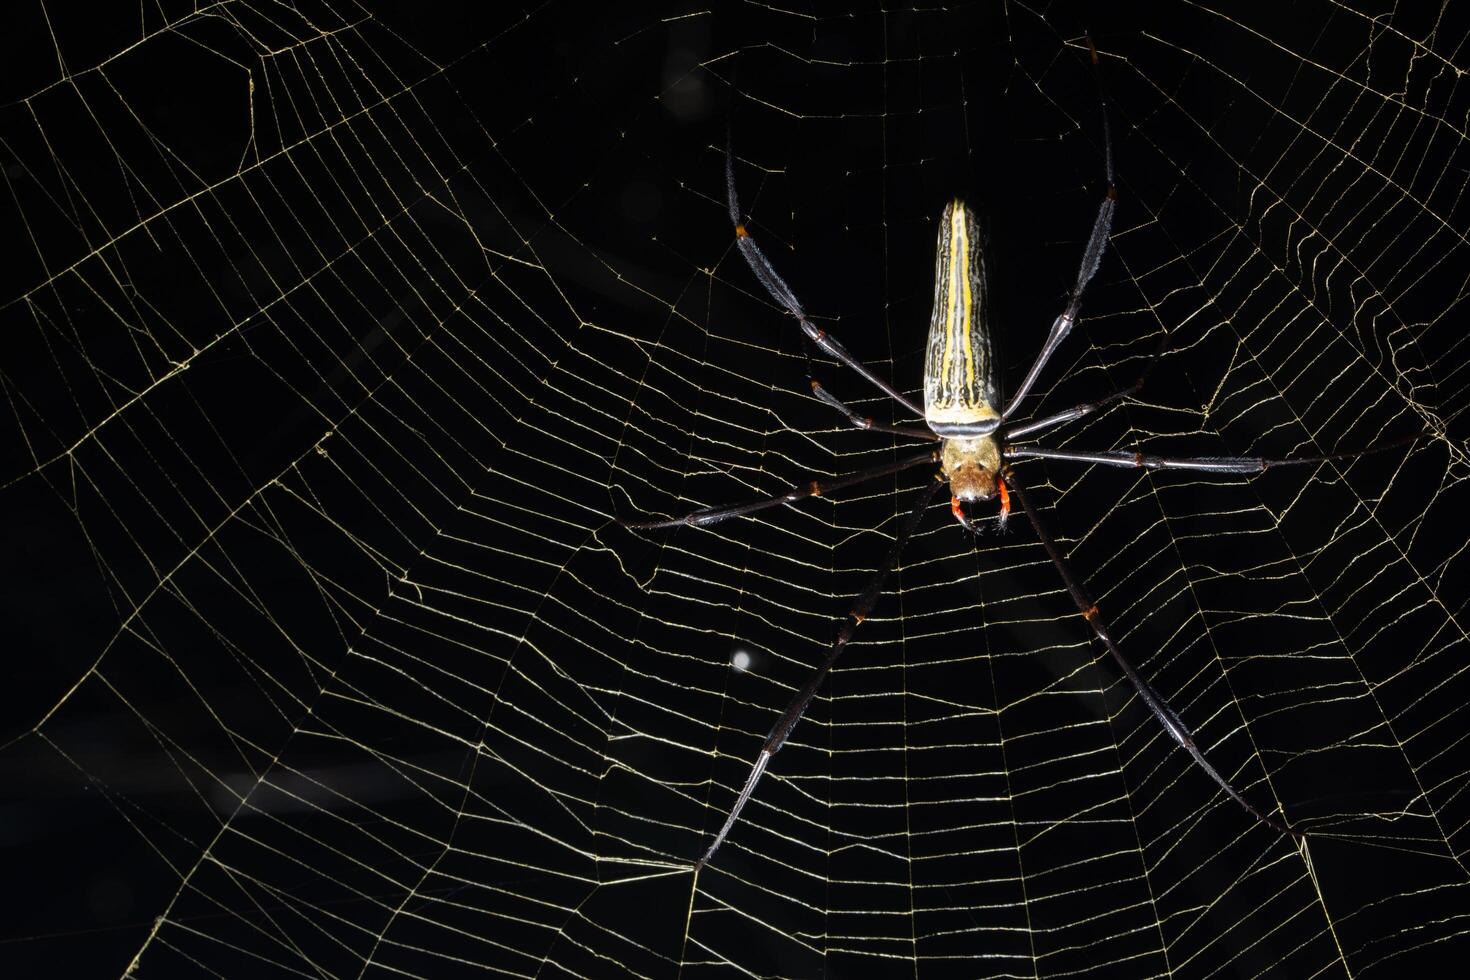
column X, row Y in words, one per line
column 961, row 392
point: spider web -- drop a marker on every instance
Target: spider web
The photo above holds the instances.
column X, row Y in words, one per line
column 338, row 337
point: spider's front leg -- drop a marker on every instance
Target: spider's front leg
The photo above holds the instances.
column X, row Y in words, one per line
column 1092, row 255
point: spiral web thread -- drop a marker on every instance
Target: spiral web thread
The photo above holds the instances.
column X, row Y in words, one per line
column 339, row 340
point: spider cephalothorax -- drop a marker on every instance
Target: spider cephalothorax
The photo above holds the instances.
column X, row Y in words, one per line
column 971, row 466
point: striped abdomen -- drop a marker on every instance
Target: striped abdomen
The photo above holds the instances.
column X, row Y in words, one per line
column 959, row 384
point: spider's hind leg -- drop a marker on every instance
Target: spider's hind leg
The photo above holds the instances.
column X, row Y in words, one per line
column 781, row 730
column 1160, row 709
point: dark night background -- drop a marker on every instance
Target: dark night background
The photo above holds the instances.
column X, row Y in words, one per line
column 338, row 335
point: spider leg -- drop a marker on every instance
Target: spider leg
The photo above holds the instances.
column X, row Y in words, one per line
column 781, row 293
column 816, row 488
column 1097, row 243
column 1209, row 464
column 1023, row 429
column 1076, row 412
column 1166, row 715
column 863, row 421
column 861, row 606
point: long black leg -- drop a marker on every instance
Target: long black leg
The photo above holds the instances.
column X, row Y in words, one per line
column 1097, row 243
column 861, row 606
column 1076, row 412
column 863, row 421
column 1209, row 464
column 782, row 294
column 1022, row 429
column 816, row 488
column 1172, row 723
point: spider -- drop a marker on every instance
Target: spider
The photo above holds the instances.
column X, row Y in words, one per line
column 976, row 441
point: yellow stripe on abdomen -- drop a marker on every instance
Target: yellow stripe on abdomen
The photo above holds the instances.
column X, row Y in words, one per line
column 957, row 382
column 963, row 264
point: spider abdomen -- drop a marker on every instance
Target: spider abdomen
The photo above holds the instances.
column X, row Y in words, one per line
column 960, row 389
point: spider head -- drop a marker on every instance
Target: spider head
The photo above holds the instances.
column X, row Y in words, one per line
column 970, row 466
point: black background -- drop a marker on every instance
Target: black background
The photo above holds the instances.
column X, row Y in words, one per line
column 507, row 289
